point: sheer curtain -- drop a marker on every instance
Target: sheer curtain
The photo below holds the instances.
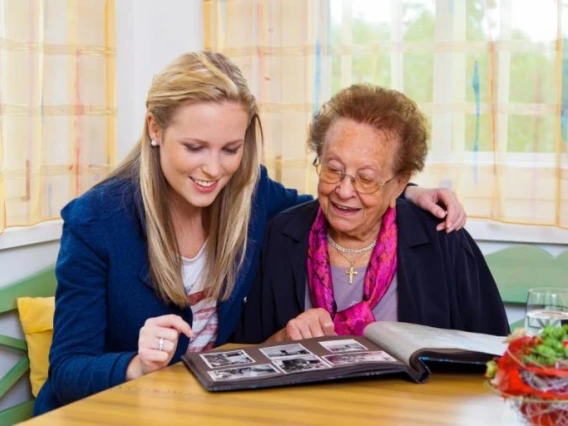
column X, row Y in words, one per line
column 279, row 46
column 489, row 75
column 57, row 104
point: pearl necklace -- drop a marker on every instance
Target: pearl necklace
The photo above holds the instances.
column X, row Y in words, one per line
column 350, row 250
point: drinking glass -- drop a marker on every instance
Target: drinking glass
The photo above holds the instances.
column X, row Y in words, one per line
column 546, row 306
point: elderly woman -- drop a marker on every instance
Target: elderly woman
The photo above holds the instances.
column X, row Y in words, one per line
column 360, row 254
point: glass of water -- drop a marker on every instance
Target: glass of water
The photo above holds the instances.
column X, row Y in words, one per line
column 546, row 306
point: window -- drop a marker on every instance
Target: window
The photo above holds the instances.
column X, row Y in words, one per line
column 489, row 76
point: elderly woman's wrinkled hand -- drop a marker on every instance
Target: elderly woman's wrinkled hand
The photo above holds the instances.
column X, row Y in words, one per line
column 442, row 203
column 315, row 322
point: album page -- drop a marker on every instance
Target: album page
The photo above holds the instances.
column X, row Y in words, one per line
column 304, row 361
column 412, row 343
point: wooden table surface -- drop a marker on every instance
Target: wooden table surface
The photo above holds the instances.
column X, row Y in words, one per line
column 172, row 396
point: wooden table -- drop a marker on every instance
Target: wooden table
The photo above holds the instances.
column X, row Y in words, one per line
column 172, row 396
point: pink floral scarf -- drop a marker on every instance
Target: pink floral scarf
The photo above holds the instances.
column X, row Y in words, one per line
column 378, row 277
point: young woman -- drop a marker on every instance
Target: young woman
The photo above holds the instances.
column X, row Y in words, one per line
column 157, row 259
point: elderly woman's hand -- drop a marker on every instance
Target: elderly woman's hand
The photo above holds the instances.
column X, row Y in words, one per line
column 315, row 322
column 434, row 201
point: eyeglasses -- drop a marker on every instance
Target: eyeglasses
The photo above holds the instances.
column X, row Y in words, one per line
column 362, row 184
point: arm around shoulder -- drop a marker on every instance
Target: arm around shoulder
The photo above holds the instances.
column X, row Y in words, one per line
column 278, row 197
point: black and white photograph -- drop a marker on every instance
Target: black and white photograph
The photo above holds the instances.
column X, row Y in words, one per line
column 224, row 359
column 353, row 358
column 304, row 363
column 348, row 345
column 285, row 351
column 243, row 372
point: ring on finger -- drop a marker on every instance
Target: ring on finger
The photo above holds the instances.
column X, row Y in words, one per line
column 161, row 344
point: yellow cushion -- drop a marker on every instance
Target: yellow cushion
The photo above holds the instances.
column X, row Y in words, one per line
column 36, row 316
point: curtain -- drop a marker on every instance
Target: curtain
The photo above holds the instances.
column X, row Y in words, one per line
column 57, row 104
column 490, row 77
column 278, row 46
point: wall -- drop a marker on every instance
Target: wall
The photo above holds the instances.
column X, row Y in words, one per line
column 517, row 312
column 150, row 34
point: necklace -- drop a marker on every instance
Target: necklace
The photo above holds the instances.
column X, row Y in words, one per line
column 349, row 250
column 343, row 251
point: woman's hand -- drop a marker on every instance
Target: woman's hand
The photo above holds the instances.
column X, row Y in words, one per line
column 434, row 201
column 157, row 344
column 315, row 322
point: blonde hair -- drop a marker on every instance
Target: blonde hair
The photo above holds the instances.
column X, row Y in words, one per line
column 194, row 78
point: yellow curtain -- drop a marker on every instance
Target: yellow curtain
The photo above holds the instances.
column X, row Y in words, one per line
column 492, row 79
column 57, row 104
column 278, row 46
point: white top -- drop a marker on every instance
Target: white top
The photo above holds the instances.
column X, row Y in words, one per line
column 204, row 310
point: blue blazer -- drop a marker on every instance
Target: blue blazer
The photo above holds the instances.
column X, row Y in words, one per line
column 104, row 294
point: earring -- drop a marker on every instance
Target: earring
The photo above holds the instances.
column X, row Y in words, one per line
column 153, row 143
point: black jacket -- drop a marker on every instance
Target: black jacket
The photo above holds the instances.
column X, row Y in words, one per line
column 443, row 280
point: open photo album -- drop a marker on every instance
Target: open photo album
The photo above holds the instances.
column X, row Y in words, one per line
column 387, row 348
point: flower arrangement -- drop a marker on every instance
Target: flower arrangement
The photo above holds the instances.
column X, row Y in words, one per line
column 533, row 373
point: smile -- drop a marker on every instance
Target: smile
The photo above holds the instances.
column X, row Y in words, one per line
column 346, row 209
column 204, row 183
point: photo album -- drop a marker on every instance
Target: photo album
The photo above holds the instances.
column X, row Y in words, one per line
column 386, row 348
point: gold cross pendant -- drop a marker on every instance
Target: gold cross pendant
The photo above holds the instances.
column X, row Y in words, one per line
column 351, row 272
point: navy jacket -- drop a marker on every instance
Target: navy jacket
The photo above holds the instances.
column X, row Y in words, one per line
column 104, row 294
column 443, row 280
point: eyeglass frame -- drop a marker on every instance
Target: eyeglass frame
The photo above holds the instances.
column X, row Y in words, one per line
column 317, row 164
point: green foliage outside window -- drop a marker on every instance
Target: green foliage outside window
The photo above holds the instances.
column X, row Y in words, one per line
column 532, row 74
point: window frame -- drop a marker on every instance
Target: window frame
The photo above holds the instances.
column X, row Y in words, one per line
column 20, row 236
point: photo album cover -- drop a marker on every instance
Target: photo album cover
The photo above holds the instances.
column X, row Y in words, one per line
column 387, row 348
